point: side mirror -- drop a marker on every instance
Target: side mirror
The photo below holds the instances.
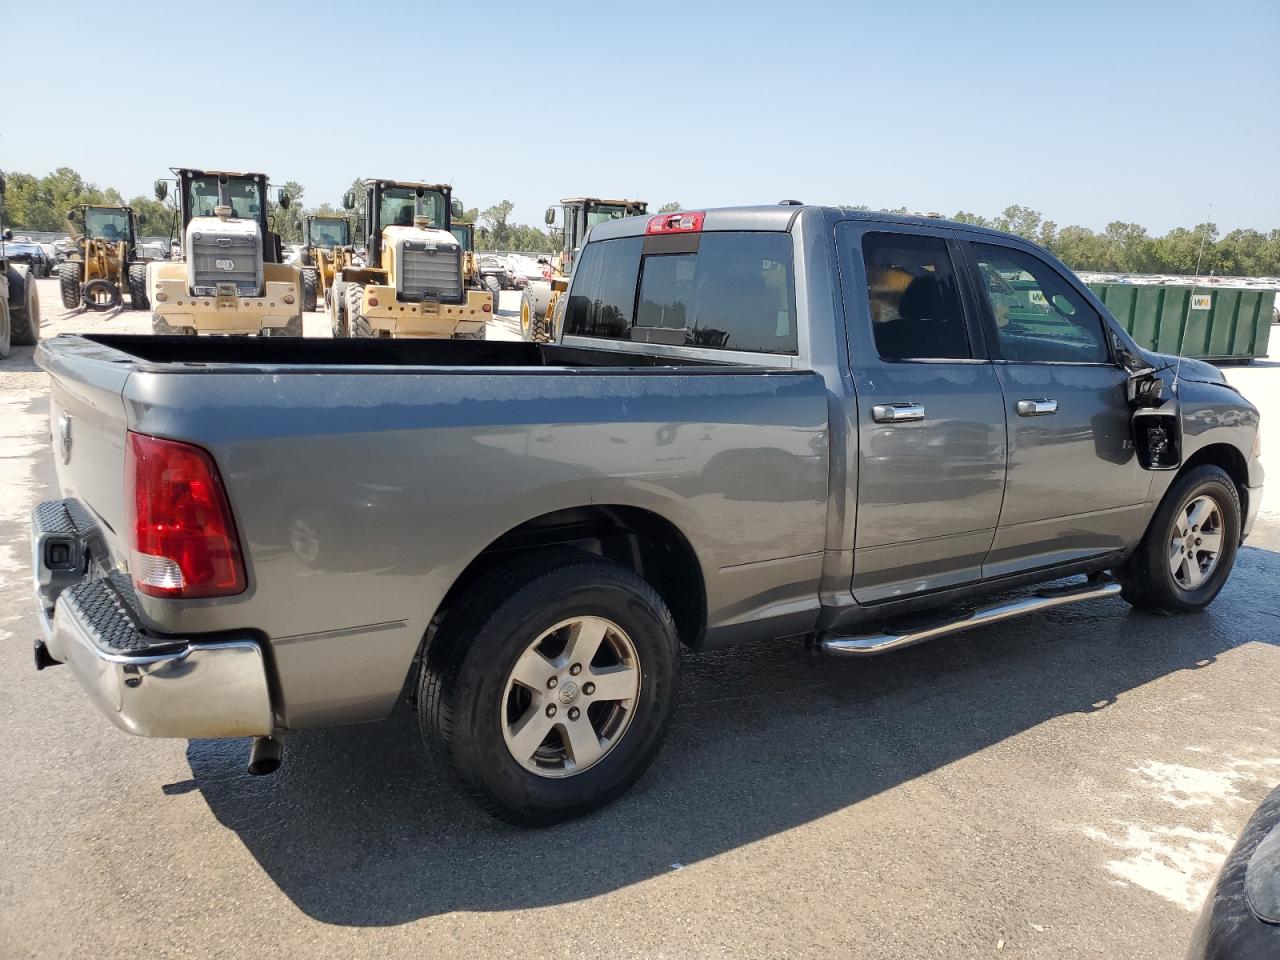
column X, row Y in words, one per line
column 285, row 200
column 455, row 209
column 142, row 222
column 349, row 200
column 550, row 216
column 7, row 235
column 162, row 189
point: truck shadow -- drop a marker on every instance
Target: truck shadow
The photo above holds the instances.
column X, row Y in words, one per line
column 357, row 828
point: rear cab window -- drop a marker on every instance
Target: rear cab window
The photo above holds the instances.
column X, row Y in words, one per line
column 731, row 290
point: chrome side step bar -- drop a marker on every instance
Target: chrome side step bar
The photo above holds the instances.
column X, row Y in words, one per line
column 872, row 644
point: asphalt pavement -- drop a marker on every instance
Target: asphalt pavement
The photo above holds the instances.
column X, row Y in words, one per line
column 1059, row 786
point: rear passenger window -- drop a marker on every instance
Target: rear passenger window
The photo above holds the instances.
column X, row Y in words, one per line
column 1039, row 316
column 915, row 300
column 733, row 291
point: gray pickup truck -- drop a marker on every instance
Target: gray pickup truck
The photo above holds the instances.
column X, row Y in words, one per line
column 766, row 422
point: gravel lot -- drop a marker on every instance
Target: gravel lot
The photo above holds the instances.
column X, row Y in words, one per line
column 1060, row 786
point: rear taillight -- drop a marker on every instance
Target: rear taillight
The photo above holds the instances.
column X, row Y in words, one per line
column 184, row 541
column 675, row 223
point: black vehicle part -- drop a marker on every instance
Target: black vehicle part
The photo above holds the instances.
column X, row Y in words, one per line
column 1173, row 571
column 138, row 299
column 473, row 650
column 100, row 294
column 24, row 308
column 70, row 273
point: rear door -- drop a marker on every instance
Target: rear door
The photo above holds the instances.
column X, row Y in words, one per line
column 1075, row 488
column 931, row 430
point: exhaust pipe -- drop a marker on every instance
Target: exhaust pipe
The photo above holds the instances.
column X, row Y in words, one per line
column 264, row 756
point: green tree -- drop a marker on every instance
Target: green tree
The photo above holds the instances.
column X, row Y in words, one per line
column 672, row 206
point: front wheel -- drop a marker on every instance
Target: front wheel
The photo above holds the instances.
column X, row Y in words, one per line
column 549, row 690
column 1187, row 553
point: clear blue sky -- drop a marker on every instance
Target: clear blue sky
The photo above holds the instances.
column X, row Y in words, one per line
column 1087, row 111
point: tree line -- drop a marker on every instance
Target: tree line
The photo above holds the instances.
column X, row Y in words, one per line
column 42, row 204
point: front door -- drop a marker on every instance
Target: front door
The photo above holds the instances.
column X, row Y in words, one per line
column 931, row 431
column 1075, row 488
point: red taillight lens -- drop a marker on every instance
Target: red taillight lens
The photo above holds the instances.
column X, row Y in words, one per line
column 184, row 541
column 675, row 223
column 486, row 307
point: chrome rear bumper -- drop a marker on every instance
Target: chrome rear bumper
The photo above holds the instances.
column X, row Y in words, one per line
column 146, row 684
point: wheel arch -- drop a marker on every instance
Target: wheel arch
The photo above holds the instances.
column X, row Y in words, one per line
column 639, row 539
column 1228, row 457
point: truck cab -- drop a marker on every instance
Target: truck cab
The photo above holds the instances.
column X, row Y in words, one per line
column 231, row 278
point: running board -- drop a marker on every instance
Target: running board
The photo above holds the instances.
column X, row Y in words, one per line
column 871, row 644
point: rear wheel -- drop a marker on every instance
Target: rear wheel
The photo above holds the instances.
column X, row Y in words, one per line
column 70, row 274
column 1187, row 553
column 549, row 689
column 308, row 288
column 138, row 299
column 495, row 288
column 24, row 308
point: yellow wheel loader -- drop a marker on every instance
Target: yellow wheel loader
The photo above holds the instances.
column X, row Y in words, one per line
column 465, row 234
column 412, row 284
column 230, row 278
column 104, row 262
column 326, row 250
column 538, row 302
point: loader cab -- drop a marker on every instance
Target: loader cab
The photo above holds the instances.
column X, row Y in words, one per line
column 583, row 213
column 394, row 203
column 326, row 232
column 109, row 224
column 202, row 192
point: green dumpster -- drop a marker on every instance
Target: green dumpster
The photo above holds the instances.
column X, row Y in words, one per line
column 1212, row 322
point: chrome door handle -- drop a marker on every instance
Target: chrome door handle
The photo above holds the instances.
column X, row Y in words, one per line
column 1037, row 408
column 897, row 412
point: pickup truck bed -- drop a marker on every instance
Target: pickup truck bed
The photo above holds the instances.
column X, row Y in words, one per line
column 364, row 476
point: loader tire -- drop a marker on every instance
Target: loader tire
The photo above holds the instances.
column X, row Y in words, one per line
column 101, row 294
column 494, row 287
column 138, row 298
column 24, row 308
column 69, row 276
column 356, row 323
column 308, row 288
column 5, row 330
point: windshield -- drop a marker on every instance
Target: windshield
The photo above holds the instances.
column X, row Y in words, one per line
column 463, row 235
column 328, row 233
column 244, row 195
column 604, row 212
column 106, row 224
column 397, row 208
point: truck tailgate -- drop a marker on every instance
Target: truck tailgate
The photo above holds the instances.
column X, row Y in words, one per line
column 88, row 424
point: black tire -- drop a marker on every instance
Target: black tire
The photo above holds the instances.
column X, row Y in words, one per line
column 138, row 298
column 101, row 294
column 5, row 330
column 70, row 274
column 24, row 308
column 494, row 287
column 335, row 306
column 308, row 288
column 1147, row 579
column 463, row 682
column 356, row 323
